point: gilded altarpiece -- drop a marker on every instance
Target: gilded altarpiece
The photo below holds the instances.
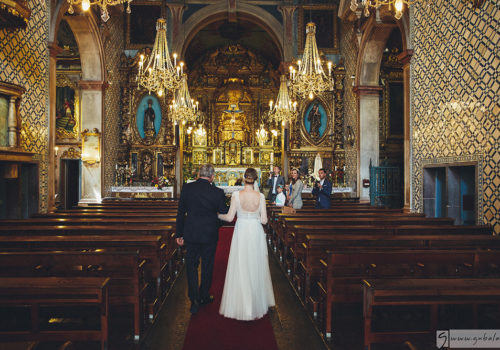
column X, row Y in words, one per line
column 233, row 86
column 146, row 148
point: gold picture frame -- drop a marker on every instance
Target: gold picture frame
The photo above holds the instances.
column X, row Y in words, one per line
column 325, row 17
column 91, row 146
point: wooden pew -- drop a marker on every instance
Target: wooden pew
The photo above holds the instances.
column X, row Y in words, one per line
column 429, row 292
column 316, row 247
column 42, row 293
column 125, row 270
column 160, row 269
column 52, row 220
column 343, row 271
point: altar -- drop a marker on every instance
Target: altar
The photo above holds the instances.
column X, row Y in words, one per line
column 230, row 177
column 141, row 192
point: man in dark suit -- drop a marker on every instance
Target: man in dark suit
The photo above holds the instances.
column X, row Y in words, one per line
column 198, row 229
column 273, row 182
column 322, row 190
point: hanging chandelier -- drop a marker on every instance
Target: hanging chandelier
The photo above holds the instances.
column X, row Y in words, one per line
column 159, row 74
column 309, row 78
column 396, row 5
column 183, row 108
column 284, row 110
column 261, row 135
column 103, row 4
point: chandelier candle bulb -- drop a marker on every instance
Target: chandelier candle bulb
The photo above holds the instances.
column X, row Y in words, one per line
column 85, row 5
column 175, row 59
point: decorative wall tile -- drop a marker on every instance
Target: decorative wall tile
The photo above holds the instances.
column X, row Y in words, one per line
column 112, row 32
column 455, row 94
column 349, row 51
column 24, row 61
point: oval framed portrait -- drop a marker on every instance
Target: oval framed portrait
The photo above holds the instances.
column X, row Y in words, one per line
column 316, row 121
column 148, row 116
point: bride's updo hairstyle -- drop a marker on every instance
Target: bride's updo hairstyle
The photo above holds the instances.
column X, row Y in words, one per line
column 250, row 176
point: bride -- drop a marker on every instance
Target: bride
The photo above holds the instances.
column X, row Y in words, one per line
column 248, row 291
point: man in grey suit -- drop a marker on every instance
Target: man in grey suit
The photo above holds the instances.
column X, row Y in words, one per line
column 273, row 182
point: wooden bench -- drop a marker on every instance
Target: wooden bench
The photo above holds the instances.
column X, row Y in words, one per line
column 427, row 292
column 125, row 270
column 32, row 299
column 316, row 247
column 343, row 272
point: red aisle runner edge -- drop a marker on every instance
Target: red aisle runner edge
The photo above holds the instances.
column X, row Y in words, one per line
column 209, row 330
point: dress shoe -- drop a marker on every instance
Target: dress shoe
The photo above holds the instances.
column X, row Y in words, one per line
column 194, row 308
column 206, row 301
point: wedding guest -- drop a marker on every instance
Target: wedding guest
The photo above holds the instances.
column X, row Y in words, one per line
column 280, row 197
column 322, row 190
column 273, row 182
column 294, row 195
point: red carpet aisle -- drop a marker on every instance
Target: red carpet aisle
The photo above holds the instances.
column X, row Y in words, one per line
column 209, row 330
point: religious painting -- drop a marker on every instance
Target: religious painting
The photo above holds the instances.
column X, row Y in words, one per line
column 66, row 113
column 148, row 116
column 141, row 24
column 199, row 156
column 325, row 18
column 315, row 120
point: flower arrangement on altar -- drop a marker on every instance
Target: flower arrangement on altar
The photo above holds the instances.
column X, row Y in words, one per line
column 160, row 182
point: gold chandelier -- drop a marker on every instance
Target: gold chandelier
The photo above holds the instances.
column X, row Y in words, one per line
column 183, row 108
column 309, row 78
column 396, row 5
column 261, row 135
column 160, row 75
column 103, row 4
column 284, row 110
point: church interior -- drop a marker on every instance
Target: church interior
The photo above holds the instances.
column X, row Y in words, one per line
column 108, row 108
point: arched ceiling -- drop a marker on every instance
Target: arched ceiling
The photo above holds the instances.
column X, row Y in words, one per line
column 221, row 33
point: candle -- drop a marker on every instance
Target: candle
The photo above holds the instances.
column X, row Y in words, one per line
column 335, row 168
column 116, row 166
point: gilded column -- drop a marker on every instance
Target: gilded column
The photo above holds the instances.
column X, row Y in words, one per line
column 405, row 58
column 54, row 50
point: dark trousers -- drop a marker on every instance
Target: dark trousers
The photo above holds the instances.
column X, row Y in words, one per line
column 271, row 196
column 195, row 252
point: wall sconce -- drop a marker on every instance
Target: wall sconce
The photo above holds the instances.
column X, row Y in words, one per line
column 91, row 146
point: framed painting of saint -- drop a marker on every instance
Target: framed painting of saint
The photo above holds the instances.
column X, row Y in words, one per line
column 148, row 116
column 141, row 23
column 315, row 121
column 66, row 113
column 326, row 20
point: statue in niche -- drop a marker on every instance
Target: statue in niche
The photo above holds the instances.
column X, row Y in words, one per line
column 314, row 118
column 146, row 167
column 149, row 119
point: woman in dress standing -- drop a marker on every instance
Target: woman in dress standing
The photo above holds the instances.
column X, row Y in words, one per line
column 248, row 290
column 294, row 190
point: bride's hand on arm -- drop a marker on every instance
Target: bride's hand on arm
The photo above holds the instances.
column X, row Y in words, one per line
column 230, row 214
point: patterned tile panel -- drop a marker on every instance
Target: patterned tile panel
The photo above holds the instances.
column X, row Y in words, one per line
column 349, row 51
column 113, row 40
column 455, row 95
column 24, row 60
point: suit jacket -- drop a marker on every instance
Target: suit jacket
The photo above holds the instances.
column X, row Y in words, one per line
column 296, row 195
column 199, row 204
column 280, row 181
column 323, row 195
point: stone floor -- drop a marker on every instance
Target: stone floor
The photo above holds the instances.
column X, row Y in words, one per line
column 292, row 327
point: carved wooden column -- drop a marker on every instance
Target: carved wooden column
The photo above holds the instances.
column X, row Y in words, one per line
column 368, row 137
column 12, row 123
column 54, row 50
column 288, row 11
column 405, row 58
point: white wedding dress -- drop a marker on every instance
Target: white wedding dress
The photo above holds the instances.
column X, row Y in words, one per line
column 248, row 290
